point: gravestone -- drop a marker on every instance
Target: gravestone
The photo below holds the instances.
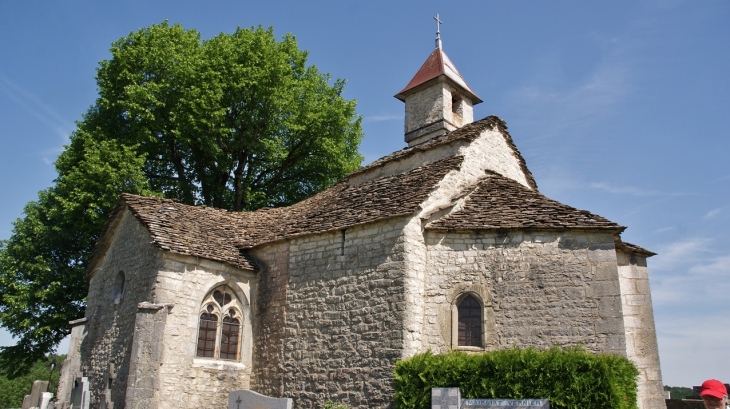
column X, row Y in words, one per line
column 252, row 400
column 80, row 394
column 26, row 402
column 45, row 400
column 450, row 398
column 445, row 398
column 32, row 400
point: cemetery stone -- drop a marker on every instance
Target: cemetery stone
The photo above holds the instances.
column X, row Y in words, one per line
column 251, row 400
column 450, row 398
column 45, row 399
column 445, row 398
column 80, row 394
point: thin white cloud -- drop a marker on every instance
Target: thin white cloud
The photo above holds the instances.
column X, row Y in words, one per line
column 712, row 213
column 720, row 179
column 633, row 190
column 381, row 118
column 691, row 276
column 683, row 252
column 36, row 107
column 585, row 102
column 716, row 266
column 663, row 230
column 626, row 190
column 49, row 155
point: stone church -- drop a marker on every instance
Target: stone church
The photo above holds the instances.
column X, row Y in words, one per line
column 445, row 245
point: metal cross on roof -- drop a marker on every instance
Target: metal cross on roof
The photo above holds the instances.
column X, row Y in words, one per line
column 438, row 31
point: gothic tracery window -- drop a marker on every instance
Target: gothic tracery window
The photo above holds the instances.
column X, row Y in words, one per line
column 470, row 322
column 219, row 330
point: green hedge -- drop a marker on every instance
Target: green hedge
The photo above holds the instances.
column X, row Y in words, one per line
column 570, row 378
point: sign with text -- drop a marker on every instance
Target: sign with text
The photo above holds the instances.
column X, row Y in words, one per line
column 505, row 403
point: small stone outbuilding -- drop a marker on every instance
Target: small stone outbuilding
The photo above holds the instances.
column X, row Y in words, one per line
column 446, row 244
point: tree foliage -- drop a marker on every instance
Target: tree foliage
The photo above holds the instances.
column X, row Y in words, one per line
column 42, row 265
column 678, row 392
column 238, row 121
column 13, row 390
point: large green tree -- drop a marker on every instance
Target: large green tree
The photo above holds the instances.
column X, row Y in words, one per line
column 238, row 121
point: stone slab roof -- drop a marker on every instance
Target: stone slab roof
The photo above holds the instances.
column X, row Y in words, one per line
column 223, row 236
column 467, row 133
column 343, row 206
column 496, row 202
column 634, row 249
column 198, row 231
column 501, row 203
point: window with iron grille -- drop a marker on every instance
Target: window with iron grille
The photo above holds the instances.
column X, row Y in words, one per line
column 470, row 322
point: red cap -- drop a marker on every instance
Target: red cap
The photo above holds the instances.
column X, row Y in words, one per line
column 713, row 387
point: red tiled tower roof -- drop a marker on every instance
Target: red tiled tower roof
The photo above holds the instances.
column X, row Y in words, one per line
column 437, row 64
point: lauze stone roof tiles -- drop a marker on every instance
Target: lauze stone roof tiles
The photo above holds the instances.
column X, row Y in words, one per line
column 223, row 236
column 191, row 230
column 498, row 202
column 495, row 203
column 468, row 132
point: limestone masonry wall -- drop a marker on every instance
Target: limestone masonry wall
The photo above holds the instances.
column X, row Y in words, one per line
column 269, row 319
column 184, row 380
column 641, row 342
column 342, row 328
column 110, row 326
column 538, row 289
column 427, row 106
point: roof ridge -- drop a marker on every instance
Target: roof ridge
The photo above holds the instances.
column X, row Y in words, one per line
column 445, row 139
column 467, row 132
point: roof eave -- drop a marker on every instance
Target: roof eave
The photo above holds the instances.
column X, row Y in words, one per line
column 614, row 229
column 411, row 89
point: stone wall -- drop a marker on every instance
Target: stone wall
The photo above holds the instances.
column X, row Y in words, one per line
column 270, row 319
column 427, row 106
column 106, row 348
column 538, row 289
column 641, row 342
column 148, row 350
column 185, row 380
column 167, row 371
column 343, row 323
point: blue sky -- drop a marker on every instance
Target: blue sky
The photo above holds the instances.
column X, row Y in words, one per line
column 619, row 107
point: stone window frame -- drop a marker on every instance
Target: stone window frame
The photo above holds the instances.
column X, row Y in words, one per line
column 221, row 312
column 455, row 322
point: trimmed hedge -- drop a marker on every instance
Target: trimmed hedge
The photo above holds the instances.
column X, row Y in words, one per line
column 570, row 378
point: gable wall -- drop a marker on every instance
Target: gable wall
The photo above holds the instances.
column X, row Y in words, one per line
column 489, row 151
column 539, row 289
column 110, row 327
column 340, row 326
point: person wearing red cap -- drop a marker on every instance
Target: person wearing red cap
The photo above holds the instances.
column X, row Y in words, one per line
column 714, row 394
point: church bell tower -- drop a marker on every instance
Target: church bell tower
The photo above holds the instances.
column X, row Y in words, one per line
column 438, row 99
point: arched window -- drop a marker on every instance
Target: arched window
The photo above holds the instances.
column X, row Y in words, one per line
column 118, row 287
column 470, row 322
column 219, row 331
